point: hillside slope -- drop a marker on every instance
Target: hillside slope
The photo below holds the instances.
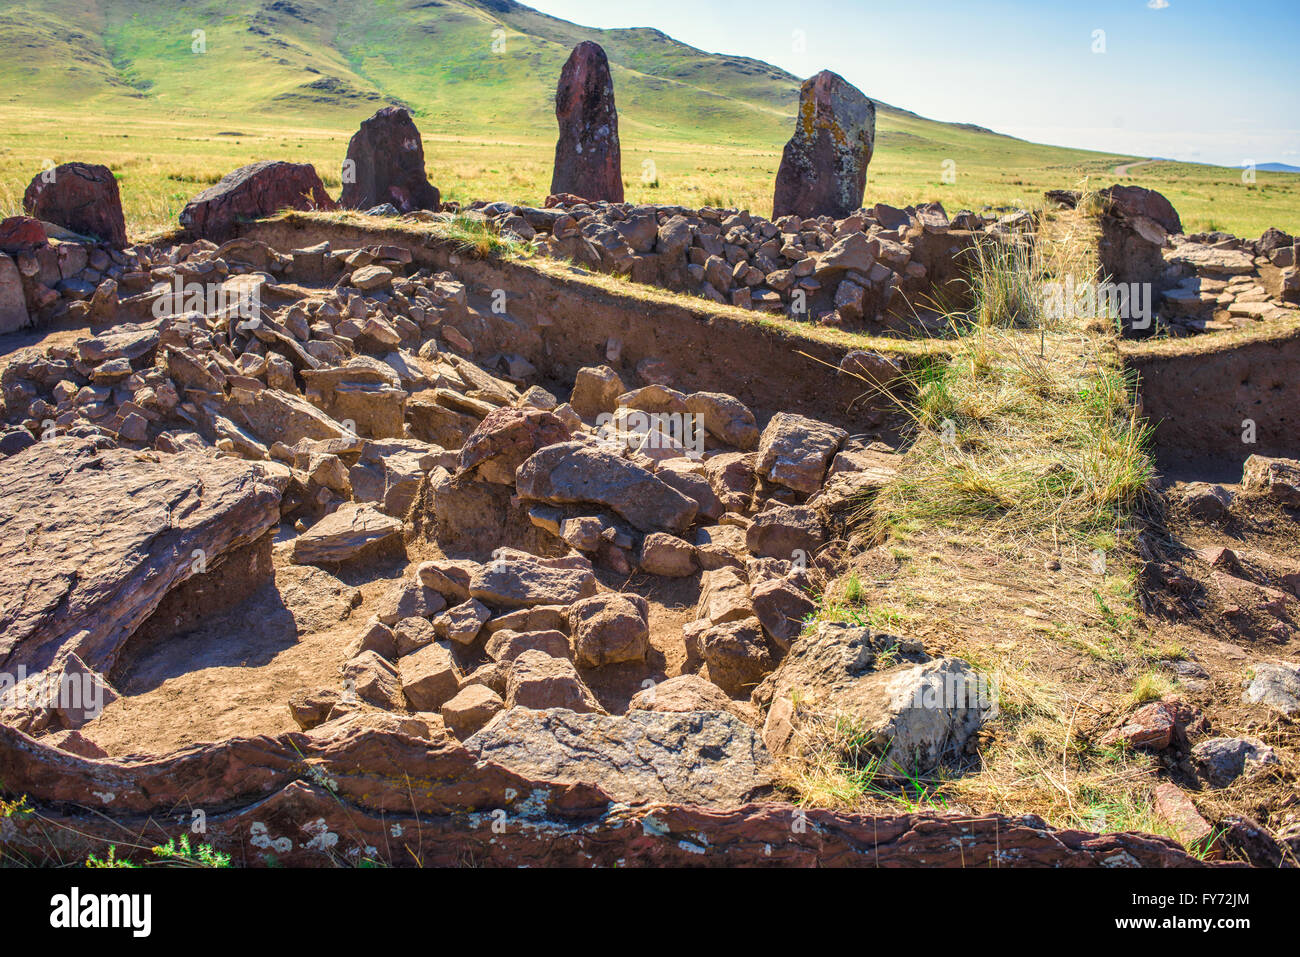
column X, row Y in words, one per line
column 463, row 66
column 120, row 82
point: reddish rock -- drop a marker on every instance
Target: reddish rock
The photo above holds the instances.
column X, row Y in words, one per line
column 824, row 167
column 266, row 790
column 385, row 164
column 1137, row 202
column 588, row 161
column 562, row 199
column 608, row 629
column 82, row 197
column 667, row 555
column 74, row 742
column 470, row 709
column 21, row 234
column 1157, row 726
column 782, row 607
column 312, row 708
column 505, row 438
column 785, row 532
column 1276, row 478
column 506, row 645
column 373, row 679
column 1180, row 813
column 430, row 677
column 149, row 521
column 252, row 192
column 737, row 655
column 538, row 680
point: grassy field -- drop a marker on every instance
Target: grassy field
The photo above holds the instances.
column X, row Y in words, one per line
column 123, row 86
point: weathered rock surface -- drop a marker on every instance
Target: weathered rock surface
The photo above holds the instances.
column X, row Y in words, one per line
column 252, row 192
column 689, row 693
column 702, row 757
column 373, row 679
column 22, row 234
column 608, row 629
column 409, row 598
column 13, row 301
column 471, row 708
column 517, row 582
column 386, row 162
column 1277, row 478
column 725, row 417
column 430, row 677
column 588, row 158
column 1222, row 760
column 353, row 531
column 462, row 623
column 538, row 681
column 919, row 714
column 503, row 440
column 92, row 538
column 795, row 451
column 1137, row 202
column 1275, row 686
column 571, row 472
column 82, row 197
column 736, row 653
column 667, row 555
column 781, row 607
column 823, row 170
column 263, row 785
column 506, row 645
column 786, row 532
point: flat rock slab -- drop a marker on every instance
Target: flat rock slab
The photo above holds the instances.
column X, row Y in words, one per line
column 344, row 535
column 92, row 537
column 705, row 757
column 523, row 584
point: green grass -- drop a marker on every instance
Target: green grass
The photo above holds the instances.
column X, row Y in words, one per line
column 293, row 81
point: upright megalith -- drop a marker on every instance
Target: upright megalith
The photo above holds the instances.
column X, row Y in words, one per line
column 385, row 164
column 824, row 168
column 588, row 162
column 252, row 192
column 82, row 197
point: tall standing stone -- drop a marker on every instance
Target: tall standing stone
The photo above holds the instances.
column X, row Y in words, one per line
column 588, row 162
column 824, row 168
column 82, row 197
column 385, row 164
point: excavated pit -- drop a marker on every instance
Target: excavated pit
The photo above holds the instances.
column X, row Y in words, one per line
column 206, row 680
column 1215, row 400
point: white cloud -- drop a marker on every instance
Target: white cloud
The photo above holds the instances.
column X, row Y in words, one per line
column 1157, row 4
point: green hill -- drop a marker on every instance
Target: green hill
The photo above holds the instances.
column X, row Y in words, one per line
column 120, row 81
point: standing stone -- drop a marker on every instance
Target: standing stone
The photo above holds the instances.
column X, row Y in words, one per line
column 587, row 158
column 252, row 192
column 385, row 164
column 82, row 197
column 824, row 168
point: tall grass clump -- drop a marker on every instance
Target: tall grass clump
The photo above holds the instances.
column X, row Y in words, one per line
column 1030, row 425
column 479, row 238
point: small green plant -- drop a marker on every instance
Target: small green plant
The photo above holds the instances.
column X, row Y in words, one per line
column 180, row 853
column 175, row 853
column 108, row 861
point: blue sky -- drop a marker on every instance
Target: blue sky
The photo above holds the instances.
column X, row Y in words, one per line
column 1213, row 81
